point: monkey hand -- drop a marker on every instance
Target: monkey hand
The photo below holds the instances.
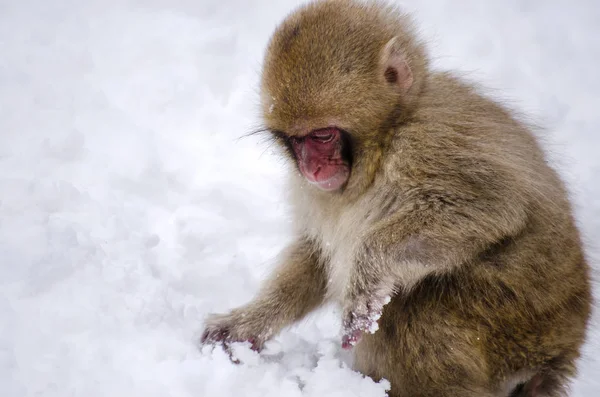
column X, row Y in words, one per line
column 361, row 316
column 237, row 326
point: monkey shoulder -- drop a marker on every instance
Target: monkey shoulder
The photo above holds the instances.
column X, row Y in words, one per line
column 459, row 140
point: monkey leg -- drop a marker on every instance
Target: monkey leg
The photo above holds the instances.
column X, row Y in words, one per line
column 427, row 354
column 296, row 287
column 550, row 381
column 541, row 385
column 424, row 353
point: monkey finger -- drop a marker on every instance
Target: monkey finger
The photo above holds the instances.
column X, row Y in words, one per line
column 351, row 339
column 214, row 336
column 358, row 322
column 227, row 348
column 204, row 337
column 255, row 344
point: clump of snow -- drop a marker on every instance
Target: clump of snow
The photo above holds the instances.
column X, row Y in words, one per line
column 374, row 327
column 375, row 315
column 130, row 209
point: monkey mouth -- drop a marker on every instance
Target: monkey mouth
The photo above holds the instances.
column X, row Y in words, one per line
column 329, row 181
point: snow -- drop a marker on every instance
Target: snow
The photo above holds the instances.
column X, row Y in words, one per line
column 130, row 209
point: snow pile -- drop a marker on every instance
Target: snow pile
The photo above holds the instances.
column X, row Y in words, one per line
column 130, row 208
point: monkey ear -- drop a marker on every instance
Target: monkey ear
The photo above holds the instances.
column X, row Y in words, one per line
column 394, row 67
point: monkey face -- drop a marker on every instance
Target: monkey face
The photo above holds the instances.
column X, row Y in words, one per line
column 333, row 88
column 321, row 158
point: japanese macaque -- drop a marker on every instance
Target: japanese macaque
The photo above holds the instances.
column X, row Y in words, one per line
column 426, row 210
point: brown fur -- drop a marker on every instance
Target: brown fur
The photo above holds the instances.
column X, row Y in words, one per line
column 450, row 206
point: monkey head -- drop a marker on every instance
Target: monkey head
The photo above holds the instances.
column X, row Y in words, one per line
column 334, row 87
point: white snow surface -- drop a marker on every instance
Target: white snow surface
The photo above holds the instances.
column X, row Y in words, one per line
column 129, row 208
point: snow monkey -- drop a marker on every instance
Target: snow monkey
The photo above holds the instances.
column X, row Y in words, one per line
column 426, row 210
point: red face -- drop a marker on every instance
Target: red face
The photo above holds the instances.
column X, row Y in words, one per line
column 321, row 158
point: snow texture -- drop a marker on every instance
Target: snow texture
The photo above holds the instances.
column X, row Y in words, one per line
column 130, row 209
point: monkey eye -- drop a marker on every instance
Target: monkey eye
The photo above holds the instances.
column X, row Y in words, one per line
column 322, row 136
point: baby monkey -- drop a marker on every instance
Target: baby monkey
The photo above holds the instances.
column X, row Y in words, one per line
column 426, row 210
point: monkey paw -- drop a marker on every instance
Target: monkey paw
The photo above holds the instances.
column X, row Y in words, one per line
column 361, row 317
column 225, row 329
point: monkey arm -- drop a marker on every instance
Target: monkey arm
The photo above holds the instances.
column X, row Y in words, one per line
column 441, row 233
column 432, row 233
column 296, row 287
